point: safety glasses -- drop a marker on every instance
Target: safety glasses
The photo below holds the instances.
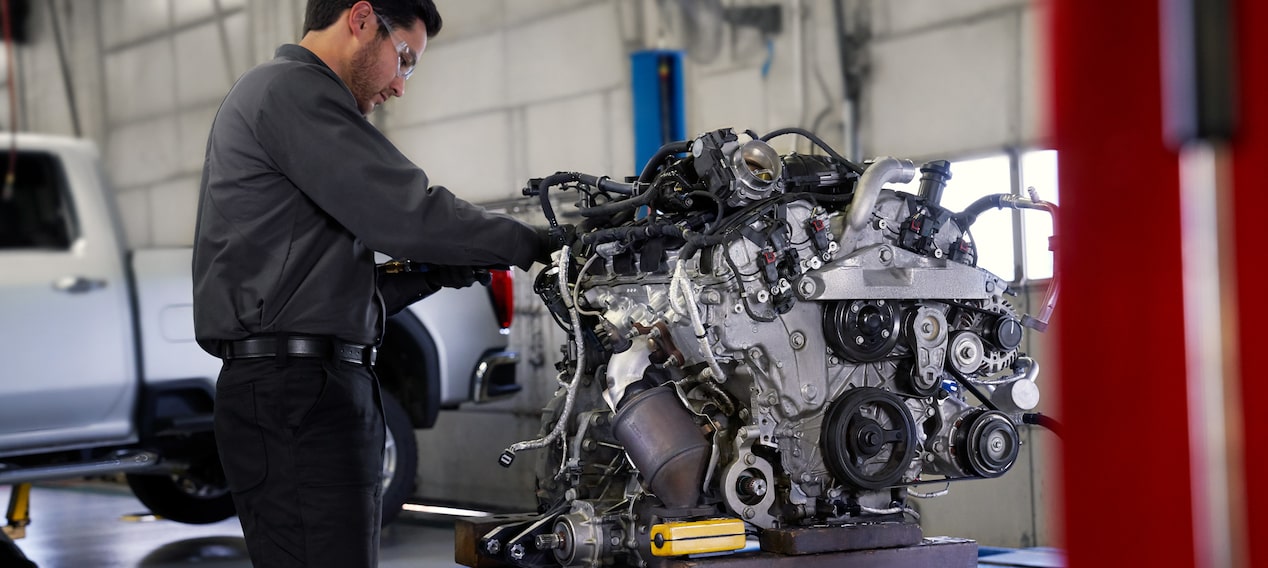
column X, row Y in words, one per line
column 408, row 59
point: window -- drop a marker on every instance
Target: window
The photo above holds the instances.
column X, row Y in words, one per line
column 1038, row 170
column 995, row 230
column 34, row 212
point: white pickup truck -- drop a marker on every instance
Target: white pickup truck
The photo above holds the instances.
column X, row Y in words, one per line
column 99, row 371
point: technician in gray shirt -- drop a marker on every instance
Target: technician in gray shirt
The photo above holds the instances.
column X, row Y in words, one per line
column 298, row 191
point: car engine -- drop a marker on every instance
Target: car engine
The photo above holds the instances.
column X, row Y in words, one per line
column 762, row 341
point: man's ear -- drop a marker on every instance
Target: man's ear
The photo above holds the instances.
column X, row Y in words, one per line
column 358, row 15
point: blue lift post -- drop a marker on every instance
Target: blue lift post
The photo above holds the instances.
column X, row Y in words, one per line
column 656, row 79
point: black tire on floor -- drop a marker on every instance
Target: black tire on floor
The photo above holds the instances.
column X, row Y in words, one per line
column 400, row 458
column 182, row 499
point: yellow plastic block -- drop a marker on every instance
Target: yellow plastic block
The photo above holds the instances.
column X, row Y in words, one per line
column 697, row 537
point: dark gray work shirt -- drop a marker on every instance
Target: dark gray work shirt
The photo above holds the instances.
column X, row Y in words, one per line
column 298, row 190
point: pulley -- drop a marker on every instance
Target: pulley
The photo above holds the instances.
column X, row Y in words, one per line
column 966, row 352
column 868, row 438
column 862, row 331
column 987, row 444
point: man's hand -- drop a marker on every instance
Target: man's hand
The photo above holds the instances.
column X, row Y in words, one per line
column 455, row 276
column 551, row 239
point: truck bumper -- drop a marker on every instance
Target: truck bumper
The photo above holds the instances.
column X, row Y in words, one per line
column 494, row 376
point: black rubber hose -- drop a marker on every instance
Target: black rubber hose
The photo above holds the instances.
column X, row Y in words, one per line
column 605, row 183
column 614, row 207
column 1045, row 421
column 717, row 202
column 818, row 142
column 649, row 170
column 543, row 193
column 966, row 218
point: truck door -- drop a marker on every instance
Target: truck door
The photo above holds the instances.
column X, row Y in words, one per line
column 68, row 371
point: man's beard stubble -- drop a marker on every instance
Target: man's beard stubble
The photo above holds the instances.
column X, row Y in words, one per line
column 360, row 81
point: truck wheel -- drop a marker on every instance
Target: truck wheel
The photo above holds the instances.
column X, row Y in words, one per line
column 183, row 498
column 400, row 458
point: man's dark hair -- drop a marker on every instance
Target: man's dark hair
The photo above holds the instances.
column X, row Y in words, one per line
column 398, row 13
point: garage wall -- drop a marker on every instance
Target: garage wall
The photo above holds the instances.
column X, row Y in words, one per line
column 513, row 89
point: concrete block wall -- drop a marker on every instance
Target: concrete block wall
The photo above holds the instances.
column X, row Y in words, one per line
column 513, row 89
column 954, row 78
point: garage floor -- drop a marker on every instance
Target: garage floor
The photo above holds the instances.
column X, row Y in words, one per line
column 91, row 526
column 96, row 525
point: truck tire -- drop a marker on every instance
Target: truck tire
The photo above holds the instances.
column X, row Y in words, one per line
column 182, row 498
column 400, row 458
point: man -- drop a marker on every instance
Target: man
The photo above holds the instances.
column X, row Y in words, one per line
column 298, row 190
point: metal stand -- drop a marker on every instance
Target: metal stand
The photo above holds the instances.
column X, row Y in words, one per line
column 877, row 545
column 936, row 552
column 19, row 515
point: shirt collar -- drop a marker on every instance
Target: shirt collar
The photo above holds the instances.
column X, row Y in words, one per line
column 298, row 53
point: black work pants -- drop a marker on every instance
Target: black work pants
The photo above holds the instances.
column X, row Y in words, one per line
column 301, row 441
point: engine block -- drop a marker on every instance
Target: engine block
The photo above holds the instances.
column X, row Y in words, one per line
column 779, row 340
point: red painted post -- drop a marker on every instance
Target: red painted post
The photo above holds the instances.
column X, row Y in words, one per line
column 1122, row 344
column 1250, row 205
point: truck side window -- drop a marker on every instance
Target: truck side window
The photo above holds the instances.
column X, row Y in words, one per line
column 33, row 210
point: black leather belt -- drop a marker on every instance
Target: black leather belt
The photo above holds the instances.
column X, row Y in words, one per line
column 316, row 347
